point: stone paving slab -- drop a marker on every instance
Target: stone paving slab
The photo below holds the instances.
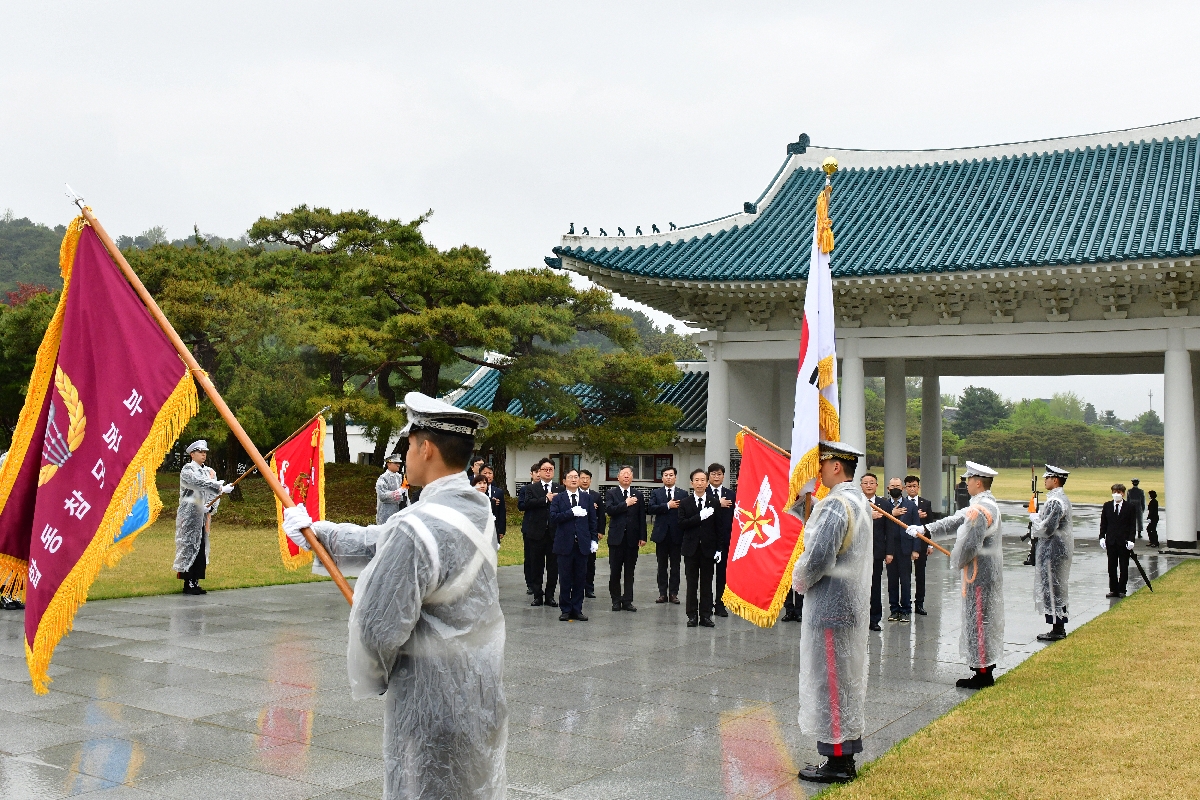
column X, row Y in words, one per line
column 243, row 694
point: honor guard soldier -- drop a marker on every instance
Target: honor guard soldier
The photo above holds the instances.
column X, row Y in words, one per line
column 979, row 557
column 834, row 575
column 198, row 488
column 1056, row 542
column 426, row 628
column 391, row 493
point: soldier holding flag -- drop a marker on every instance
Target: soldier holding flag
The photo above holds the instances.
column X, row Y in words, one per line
column 834, row 575
column 426, row 627
column 198, row 487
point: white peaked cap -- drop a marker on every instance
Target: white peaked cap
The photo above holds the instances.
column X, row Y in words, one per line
column 430, row 414
column 980, row 470
column 199, row 444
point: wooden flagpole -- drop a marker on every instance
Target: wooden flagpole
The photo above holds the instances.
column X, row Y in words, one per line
column 226, row 414
column 787, row 454
column 266, row 455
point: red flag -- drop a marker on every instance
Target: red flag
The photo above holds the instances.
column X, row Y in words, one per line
column 299, row 463
column 765, row 541
column 106, row 401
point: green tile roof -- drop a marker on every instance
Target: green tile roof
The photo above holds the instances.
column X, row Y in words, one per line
column 689, row 395
column 1118, row 202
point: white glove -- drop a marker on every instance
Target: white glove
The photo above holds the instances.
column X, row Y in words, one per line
column 706, row 512
column 296, row 519
column 397, row 495
column 914, row 530
column 1103, row 545
column 579, row 511
column 1129, row 545
column 226, row 488
column 717, row 557
column 1035, row 518
column 595, row 545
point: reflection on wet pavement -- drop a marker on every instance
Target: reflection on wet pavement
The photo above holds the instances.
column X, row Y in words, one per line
column 243, row 693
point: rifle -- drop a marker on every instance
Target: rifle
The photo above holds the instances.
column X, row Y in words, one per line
column 1033, row 500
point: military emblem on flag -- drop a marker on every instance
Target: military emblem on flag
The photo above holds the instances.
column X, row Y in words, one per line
column 106, row 401
column 299, row 463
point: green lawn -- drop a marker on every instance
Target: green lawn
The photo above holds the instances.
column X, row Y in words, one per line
column 1113, row 711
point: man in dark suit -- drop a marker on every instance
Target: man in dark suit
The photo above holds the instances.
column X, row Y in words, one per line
column 574, row 517
column 528, row 566
column 1136, row 498
column 496, row 498
column 626, row 533
column 870, row 485
column 902, row 551
column 539, row 540
column 585, row 483
column 698, row 523
column 1117, row 532
column 667, row 538
column 724, row 525
column 912, row 488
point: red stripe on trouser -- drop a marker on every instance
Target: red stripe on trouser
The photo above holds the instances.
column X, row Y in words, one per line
column 835, row 710
column 979, row 625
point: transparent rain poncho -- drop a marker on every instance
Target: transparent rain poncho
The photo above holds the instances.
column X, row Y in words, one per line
column 426, row 628
column 979, row 558
column 198, row 486
column 1052, row 564
column 385, row 490
column 834, row 575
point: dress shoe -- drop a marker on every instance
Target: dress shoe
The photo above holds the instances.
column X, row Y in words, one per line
column 692, row 622
column 1027, row 563
column 564, row 617
column 721, row 612
column 11, row 604
column 894, row 616
column 590, row 594
column 616, row 606
column 904, row 617
column 188, row 589
column 980, row 680
column 921, row 610
column 1052, row 635
column 1120, row 594
column 875, row 626
column 1112, row 594
column 791, row 616
column 662, row 598
column 550, row 601
column 675, row 599
column 581, row 617
column 707, row 622
column 838, row 769
column 629, row 606
column 537, row 601
column 528, row 590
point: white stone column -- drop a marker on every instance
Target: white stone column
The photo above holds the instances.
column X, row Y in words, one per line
column 1179, row 450
column 718, row 436
column 853, row 408
column 895, row 457
column 931, row 435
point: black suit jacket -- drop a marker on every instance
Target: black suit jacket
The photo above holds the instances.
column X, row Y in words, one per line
column 724, row 517
column 627, row 523
column 927, row 507
column 879, row 533
column 536, row 524
column 572, row 532
column 699, row 535
column 900, row 544
column 666, row 520
column 499, row 511
column 1117, row 529
column 598, row 502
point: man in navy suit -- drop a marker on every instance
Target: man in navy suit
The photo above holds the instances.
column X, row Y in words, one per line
column 902, row 550
column 698, row 522
column 585, row 483
column 870, row 485
column 667, row 538
column 539, row 538
column 575, row 536
column 912, row 488
column 496, row 498
column 724, row 526
column 626, row 533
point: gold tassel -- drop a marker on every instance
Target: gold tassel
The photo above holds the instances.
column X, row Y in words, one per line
column 807, row 468
column 824, row 224
column 825, row 372
column 59, row 616
column 828, row 421
column 739, row 438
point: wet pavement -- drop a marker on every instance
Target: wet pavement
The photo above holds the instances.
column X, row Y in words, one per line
column 242, row 694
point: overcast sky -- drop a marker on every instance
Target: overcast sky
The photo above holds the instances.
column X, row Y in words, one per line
column 511, row 120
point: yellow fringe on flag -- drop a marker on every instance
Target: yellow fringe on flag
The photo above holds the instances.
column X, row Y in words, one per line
column 830, row 424
column 766, row 618
column 14, row 570
column 824, row 224
column 59, row 616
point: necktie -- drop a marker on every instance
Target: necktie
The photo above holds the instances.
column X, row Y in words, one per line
column 574, row 500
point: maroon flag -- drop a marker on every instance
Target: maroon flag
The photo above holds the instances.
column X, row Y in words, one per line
column 106, row 401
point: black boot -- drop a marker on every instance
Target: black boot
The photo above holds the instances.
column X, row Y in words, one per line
column 838, row 769
column 1059, row 631
column 980, row 680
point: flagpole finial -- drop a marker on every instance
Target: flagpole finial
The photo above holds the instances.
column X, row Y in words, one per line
column 830, row 166
column 75, row 198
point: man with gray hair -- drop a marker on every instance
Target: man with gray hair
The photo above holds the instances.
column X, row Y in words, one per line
column 426, row 628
